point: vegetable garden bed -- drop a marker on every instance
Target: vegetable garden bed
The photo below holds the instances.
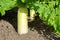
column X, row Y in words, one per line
column 44, row 18
column 37, row 29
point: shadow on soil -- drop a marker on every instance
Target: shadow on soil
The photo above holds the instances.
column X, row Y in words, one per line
column 37, row 24
column 10, row 16
column 43, row 29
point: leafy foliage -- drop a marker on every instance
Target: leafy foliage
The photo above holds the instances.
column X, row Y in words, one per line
column 6, row 5
column 50, row 13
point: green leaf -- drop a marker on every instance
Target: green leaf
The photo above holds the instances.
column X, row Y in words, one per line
column 6, row 5
column 23, row 1
column 50, row 14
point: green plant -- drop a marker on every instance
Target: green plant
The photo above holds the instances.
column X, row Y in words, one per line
column 23, row 14
column 49, row 11
column 6, row 5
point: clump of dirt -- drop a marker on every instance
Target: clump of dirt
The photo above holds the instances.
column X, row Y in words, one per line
column 7, row 32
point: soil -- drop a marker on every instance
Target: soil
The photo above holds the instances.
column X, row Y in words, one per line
column 38, row 30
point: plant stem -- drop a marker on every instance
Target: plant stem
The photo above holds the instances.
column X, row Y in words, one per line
column 22, row 20
column 32, row 14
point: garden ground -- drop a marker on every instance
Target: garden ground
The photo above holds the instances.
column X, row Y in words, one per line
column 37, row 29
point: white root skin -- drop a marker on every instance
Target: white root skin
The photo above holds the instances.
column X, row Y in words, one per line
column 22, row 21
column 32, row 14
